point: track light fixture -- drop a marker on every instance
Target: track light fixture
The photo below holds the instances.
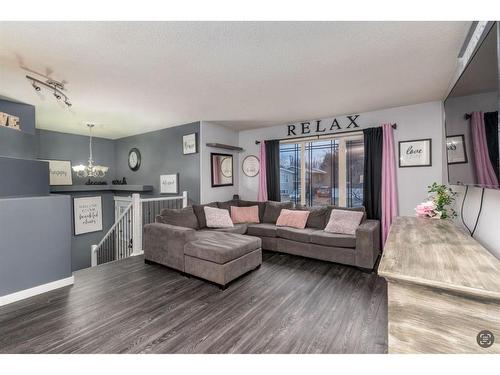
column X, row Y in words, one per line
column 56, row 87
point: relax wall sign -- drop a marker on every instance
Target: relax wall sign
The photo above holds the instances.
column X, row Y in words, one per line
column 322, row 126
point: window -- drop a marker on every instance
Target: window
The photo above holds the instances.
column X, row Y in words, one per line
column 320, row 172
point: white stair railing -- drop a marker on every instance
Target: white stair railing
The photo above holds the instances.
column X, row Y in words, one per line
column 124, row 238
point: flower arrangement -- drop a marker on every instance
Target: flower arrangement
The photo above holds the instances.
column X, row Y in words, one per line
column 436, row 207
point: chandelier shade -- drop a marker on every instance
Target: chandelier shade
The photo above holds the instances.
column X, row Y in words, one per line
column 90, row 170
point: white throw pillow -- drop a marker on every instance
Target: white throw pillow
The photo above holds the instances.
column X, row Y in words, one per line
column 344, row 222
column 218, row 218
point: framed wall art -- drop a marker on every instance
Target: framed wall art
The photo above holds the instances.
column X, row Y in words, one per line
column 456, row 150
column 88, row 214
column 60, row 172
column 189, row 144
column 415, row 153
column 251, row 166
column 169, row 183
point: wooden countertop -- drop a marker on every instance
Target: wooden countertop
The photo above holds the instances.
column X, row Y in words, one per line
column 439, row 254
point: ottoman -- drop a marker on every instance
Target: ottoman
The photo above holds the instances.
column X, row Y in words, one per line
column 221, row 257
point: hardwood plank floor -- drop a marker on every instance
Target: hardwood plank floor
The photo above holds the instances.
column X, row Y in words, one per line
column 290, row 305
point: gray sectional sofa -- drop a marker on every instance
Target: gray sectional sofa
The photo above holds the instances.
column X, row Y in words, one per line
column 181, row 240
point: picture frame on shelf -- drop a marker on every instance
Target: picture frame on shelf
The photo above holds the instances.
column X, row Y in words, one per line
column 60, row 172
column 169, row 183
column 415, row 153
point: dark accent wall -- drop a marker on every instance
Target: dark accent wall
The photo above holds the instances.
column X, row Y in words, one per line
column 23, row 177
column 161, row 153
column 63, row 146
column 34, row 242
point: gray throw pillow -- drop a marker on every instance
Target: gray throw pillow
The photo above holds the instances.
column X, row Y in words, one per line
column 199, row 211
column 317, row 216
column 183, row 217
column 273, row 210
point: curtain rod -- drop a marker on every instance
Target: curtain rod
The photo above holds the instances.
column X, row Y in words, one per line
column 468, row 116
column 394, row 126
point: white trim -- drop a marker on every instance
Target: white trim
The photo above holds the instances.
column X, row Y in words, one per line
column 26, row 293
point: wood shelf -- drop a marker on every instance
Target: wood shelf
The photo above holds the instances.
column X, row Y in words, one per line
column 225, row 147
column 80, row 188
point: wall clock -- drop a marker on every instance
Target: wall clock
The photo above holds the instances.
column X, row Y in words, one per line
column 251, row 166
column 134, row 159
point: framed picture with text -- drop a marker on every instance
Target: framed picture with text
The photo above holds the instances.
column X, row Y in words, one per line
column 60, row 172
column 87, row 214
column 415, row 153
column 455, row 149
column 169, row 183
column 189, row 144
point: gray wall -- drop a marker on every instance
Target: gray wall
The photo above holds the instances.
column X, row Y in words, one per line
column 23, row 177
column 161, row 153
column 34, row 242
column 63, row 146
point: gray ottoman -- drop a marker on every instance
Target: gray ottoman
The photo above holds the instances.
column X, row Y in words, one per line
column 221, row 257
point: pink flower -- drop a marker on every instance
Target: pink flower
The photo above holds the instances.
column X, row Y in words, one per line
column 426, row 209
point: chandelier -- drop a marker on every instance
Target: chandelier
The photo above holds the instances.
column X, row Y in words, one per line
column 90, row 170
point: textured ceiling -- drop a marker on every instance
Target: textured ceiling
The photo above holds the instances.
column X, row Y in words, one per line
column 134, row 77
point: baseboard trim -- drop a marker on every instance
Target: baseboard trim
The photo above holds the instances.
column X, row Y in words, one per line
column 39, row 289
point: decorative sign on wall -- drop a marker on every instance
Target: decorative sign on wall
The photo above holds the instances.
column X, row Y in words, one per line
column 322, row 126
column 88, row 214
column 60, row 172
column 455, row 147
column 189, row 144
column 9, row 121
column 251, row 166
column 415, row 153
column 169, row 183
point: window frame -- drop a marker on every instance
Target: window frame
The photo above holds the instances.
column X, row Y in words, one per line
column 342, row 160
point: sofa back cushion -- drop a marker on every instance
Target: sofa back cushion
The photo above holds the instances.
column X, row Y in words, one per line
column 217, row 217
column 273, row 210
column 200, row 213
column 344, row 221
column 227, row 205
column 240, row 215
column 292, row 218
column 262, row 207
column 357, row 209
column 317, row 216
column 184, row 217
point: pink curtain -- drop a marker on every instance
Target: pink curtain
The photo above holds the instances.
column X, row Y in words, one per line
column 484, row 169
column 389, row 192
column 262, row 194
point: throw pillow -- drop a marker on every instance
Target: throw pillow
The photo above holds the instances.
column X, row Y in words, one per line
column 291, row 218
column 317, row 216
column 184, row 217
column 200, row 213
column 217, row 217
column 273, row 210
column 344, row 221
column 262, row 207
column 241, row 215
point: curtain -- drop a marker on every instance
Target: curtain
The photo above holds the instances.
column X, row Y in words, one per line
column 372, row 176
column 273, row 170
column 484, row 169
column 389, row 191
column 262, row 194
column 491, row 129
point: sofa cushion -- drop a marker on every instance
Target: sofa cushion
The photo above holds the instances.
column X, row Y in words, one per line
column 184, row 217
column 330, row 208
column 320, row 237
column 273, row 210
column 245, row 214
column 344, row 222
column 262, row 230
column 218, row 218
column 294, row 234
column 199, row 211
column 237, row 228
column 317, row 216
column 227, row 205
column 292, row 218
column 220, row 247
column 262, row 207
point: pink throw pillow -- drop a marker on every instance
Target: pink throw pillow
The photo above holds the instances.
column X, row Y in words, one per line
column 245, row 214
column 344, row 222
column 292, row 218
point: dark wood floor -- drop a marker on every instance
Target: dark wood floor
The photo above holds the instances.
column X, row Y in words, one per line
column 289, row 305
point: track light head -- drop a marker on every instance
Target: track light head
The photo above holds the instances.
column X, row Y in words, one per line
column 37, row 88
column 57, row 96
column 67, row 102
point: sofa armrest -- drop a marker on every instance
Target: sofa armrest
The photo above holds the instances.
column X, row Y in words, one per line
column 164, row 244
column 367, row 243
